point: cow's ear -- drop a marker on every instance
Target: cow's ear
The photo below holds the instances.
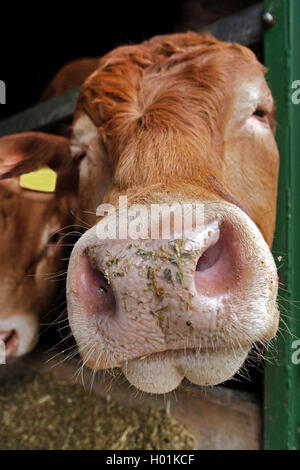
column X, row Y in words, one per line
column 23, row 158
column 26, row 152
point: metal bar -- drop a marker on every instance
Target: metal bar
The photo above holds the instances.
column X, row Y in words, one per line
column 245, row 27
column 41, row 115
column 282, row 370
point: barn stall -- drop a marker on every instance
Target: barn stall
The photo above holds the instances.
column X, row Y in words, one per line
column 260, row 409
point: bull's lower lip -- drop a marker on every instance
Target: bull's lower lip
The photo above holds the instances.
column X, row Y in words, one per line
column 163, row 372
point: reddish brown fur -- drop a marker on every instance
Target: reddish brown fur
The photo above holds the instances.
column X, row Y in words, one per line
column 159, row 107
column 23, row 222
column 28, row 151
column 28, row 219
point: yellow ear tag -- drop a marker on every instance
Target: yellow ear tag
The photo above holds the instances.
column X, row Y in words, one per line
column 43, row 179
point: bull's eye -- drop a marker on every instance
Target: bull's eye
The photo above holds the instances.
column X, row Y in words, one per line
column 259, row 113
column 54, row 238
column 81, row 157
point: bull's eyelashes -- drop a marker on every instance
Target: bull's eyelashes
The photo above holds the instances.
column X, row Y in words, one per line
column 47, row 249
column 52, row 241
column 263, row 116
column 54, row 238
column 260, row 114
column 81, row 156
column 78, row 152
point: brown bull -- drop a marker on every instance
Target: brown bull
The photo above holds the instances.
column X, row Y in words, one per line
column 183, row 119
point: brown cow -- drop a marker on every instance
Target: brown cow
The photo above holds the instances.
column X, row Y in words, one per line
column 183, row 119
column 31, row 248
column 20, row 316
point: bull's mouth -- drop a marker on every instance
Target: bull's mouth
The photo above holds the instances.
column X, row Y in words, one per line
column 11, row 342
column 178, row 351
column 163, row 372
column 170, row 352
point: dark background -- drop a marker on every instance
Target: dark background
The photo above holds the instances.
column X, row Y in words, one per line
column 36, row 39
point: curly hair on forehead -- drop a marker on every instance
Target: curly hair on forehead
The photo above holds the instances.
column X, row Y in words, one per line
column 161, row 98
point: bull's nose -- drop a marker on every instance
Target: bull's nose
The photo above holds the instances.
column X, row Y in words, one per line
column 112, row 274
column 195, row 302
column 149, row 295
column 205, row 262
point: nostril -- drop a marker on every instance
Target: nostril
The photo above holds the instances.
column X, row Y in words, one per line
column 93, row 288
column 210, row 257
column 105, row 292
column 218, row 268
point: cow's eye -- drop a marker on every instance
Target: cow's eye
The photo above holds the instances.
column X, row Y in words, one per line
column 81, row 157
column 259, row 113
column 54, row 238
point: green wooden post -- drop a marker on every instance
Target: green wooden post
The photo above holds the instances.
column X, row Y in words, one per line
column 282, row 370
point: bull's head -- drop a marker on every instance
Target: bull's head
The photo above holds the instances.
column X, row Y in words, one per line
column 182, row 119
